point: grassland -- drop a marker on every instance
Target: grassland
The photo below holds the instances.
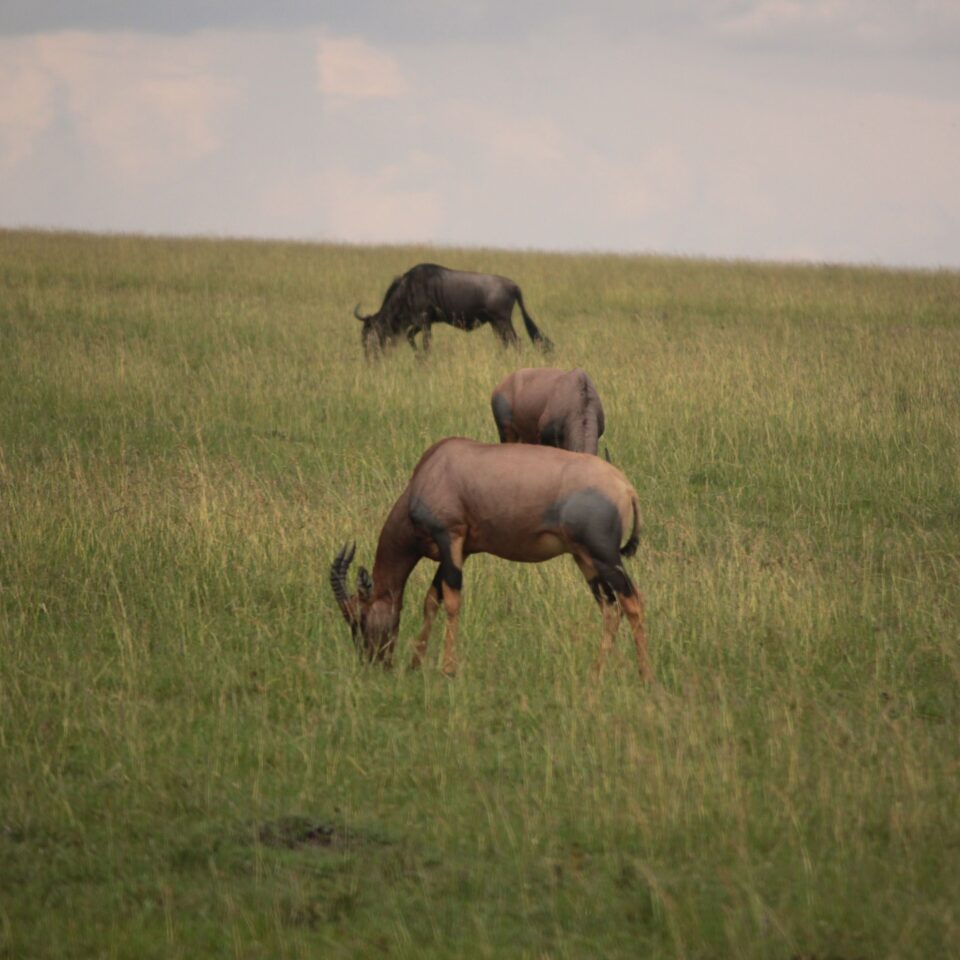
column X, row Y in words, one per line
column 193, row 764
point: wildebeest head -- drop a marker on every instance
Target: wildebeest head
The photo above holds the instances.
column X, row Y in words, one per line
column 372, row 335
column 373, row 623
column 378, row 328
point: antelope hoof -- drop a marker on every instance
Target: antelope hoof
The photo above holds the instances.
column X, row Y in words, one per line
column 450, row 670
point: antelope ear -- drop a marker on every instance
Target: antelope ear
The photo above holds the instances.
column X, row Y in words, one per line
column 364, row 584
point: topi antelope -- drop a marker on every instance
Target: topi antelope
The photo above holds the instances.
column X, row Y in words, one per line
column 558, row 408
column 518, row 502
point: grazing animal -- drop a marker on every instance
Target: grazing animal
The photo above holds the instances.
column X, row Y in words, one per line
column 522, row 503
column 428, row 294
column 558, row 408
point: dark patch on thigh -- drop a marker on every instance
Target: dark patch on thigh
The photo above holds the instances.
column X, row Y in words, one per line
column 592, row 521
column 615, row 580
column 601, row 590
column 552, row 434
column 502, row 414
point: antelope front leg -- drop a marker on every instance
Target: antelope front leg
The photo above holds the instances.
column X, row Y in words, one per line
column 431, row 604
column 451, row 576
column 451, row 603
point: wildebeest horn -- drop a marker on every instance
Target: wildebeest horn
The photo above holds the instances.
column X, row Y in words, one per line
column 338, row 577
column 356, row 312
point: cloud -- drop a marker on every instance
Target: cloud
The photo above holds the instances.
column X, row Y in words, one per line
column 144, row 103
column 817, row 26
column 391, row 205
column 569, row 140
column 141, row 104
column 26, row 107
column 349, row 68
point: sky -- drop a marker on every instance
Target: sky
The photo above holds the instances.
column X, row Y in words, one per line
column 798, row 130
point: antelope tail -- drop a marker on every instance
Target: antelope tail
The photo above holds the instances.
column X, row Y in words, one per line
column 630, row 547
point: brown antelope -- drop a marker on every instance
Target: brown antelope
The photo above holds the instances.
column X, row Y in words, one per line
column 521, row 503
column 558, row 408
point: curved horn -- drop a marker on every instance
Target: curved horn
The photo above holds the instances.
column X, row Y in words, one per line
column 356, row 312
column 364, row 584
column 338, row 578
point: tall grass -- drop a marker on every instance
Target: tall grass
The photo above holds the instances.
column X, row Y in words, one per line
column 192, row 763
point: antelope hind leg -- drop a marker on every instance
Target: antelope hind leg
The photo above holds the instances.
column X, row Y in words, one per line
column 609, row 608
column 633, row 607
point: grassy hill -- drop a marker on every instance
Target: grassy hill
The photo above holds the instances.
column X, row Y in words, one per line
column 192, row 763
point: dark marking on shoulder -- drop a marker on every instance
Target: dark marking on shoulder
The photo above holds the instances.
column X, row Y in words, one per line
column 552, row 434
column 424, row 519
column 502, row 414
column 591, row 520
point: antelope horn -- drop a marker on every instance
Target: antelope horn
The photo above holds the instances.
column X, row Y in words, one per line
column 364, row 583
column 356, row 312
column 338, row 576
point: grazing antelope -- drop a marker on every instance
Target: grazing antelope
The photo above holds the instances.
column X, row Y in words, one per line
column 428, row 294
column 558, row 408
column 518, row 502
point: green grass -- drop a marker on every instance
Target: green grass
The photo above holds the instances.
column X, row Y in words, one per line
column 192, row 763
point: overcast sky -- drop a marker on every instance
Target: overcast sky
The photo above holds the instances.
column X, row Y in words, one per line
column 823, row 130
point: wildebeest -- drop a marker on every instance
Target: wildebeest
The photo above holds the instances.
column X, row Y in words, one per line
column 519, row 502
column 558, row 408
column 428, row 294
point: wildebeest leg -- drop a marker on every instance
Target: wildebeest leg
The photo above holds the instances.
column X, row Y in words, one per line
column 503, row 328
column 431, row 604
column 412, row 331
column 427, row 335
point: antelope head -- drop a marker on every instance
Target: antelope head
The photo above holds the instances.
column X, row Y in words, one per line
column 373, row 623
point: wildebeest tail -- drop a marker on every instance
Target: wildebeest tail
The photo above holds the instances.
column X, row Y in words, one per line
column 533, row 331
column 630, row 547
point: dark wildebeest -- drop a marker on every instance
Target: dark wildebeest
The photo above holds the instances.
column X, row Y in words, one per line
column 519, row 502
column 558, row 408
column 428, row 294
